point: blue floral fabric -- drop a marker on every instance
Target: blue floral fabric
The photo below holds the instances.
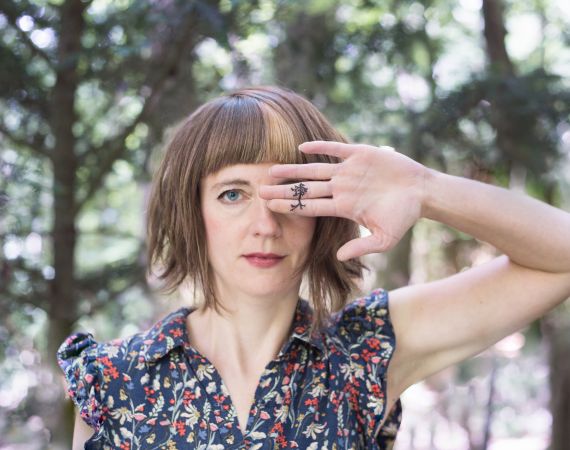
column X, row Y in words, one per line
column 153, row 390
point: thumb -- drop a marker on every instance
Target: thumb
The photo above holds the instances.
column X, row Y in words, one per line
column 359, row 247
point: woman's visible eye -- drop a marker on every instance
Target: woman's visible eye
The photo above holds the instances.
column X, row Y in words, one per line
column 231, row 195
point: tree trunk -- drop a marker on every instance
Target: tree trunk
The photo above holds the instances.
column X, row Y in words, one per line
column 560, row 386
column 557, row 327
column 495, row 33
column 557, row 330
column 501, row 65
column 309, row 49
column 62, row 302
column 61, row 419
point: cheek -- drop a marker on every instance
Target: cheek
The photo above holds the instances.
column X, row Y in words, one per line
column 303, row 230
column 216, row 230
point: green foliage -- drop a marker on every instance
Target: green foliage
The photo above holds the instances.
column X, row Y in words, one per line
column 531, row 106
column 405, row 73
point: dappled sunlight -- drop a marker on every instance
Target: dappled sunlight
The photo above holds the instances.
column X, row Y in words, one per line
column 88, row 102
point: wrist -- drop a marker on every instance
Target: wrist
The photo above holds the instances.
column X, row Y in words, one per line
column 428, row 193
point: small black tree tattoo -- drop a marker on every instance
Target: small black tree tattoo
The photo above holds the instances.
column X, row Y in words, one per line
column 298, row 191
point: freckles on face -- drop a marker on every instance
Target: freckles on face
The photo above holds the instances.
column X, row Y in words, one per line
column 214, row 218
column 233, row 211
column 299, row 229
column 213, row 224
column 238, row 222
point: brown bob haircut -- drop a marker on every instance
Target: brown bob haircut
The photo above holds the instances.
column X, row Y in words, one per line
column 248, row 126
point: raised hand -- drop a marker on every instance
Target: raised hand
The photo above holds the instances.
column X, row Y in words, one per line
column 376, row 187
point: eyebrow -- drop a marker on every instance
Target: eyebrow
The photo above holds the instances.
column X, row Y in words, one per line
column 235, row 181
column 242, row 182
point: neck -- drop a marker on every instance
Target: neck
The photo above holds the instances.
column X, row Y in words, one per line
column 248, row 335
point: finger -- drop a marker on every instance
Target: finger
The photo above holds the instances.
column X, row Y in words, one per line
column 311, row 208
column 313, row 189
column 338, row 149
column 312, row 171
column 359, row 247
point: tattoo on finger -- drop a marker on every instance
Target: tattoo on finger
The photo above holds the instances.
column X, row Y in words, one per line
column 298, row 191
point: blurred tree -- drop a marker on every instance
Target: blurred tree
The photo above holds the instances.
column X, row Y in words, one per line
column 373, row 67
column 308, row 46
column 82, row 84
column 97, row 82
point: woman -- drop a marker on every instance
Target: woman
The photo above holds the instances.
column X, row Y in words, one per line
column 243, row 212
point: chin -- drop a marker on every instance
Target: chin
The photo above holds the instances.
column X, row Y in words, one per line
column 269, row 290
column 264, row 293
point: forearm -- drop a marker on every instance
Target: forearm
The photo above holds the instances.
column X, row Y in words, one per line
column 531, row 233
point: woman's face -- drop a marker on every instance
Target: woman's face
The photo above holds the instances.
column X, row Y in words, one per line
column 239, row 225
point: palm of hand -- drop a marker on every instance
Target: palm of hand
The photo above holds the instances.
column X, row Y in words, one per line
column 381, row 190
column 376, row 187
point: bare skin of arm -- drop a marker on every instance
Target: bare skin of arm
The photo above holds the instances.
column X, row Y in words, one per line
column 81, row 433
column 443, row 322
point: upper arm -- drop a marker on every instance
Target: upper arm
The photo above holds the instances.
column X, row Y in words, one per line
column 443, row 322
column 81, row 433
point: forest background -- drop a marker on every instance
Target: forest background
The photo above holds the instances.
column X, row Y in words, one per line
column 90, row 89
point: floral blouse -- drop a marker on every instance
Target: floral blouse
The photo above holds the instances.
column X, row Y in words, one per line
column 153, row 390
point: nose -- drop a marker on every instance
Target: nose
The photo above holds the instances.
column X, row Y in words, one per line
column 264, row 222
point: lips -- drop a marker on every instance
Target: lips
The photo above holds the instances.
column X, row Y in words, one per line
column 263, row 260
column 263, row 255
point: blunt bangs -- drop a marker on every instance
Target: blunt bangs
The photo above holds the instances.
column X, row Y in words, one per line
column 246, row 131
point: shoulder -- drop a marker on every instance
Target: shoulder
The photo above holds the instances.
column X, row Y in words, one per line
column 361, row 334
column 375, row 303
column 93, row 370
column 364, row 321
column 87, row 368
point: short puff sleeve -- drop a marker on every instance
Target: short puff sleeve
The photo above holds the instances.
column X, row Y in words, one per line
column 78, row 358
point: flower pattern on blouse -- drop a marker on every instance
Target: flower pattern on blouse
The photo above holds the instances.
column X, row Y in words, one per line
column 153, row 390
